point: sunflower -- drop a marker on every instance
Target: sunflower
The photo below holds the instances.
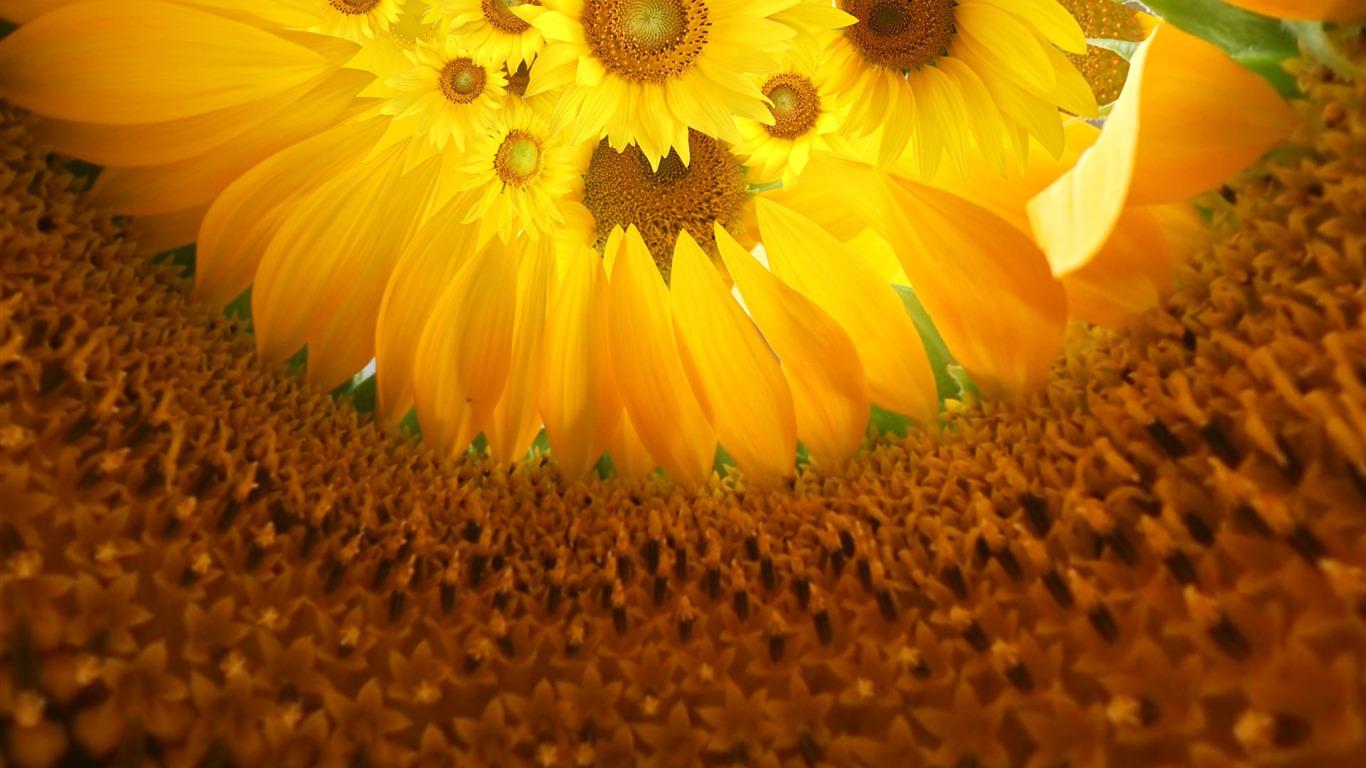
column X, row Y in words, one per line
column 805, row 117
column 644, row 72
column 357, row 20
column 491, row 28
column 448, row 93
column 938, row 75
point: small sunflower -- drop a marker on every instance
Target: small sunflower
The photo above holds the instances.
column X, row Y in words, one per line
column 937, row 75
column 449, row 94
column 805, row 117
column 644, row 72
column 357, row 20
column 491, row 28
column 517, row 173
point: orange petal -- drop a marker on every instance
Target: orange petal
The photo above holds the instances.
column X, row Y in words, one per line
column 244, row 218
column 1306, row 10
column 821, row 363
column 738, row 381
column 145, row 61
column 649, row 373
column 465, row 351
column 516, row 418
column 427, row 266
column 1188, row 119
column 824, row 270
column 578, row 397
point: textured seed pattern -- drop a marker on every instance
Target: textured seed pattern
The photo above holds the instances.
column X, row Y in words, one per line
column 1157, row 560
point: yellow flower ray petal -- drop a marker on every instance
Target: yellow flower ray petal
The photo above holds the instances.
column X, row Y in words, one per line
column 516, row 418
column 820, row 361
column 241, row 221
column 465, row 352
column 578, row 398
column 648, row 370
column 114, row 62
column 426, row 267
column 823, row 269
column 1188, row 118
column 738, row 381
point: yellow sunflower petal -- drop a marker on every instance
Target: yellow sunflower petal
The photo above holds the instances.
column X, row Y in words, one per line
column 649, row 373
column 578, row 398
column 738, row 381
column 1189, row 118
column 466, row 350
column 197, row 180
column 516, row 418
column 823, row 269
column 323, row 275
column 428, row 265
column 246, row 215
column 145, row 61
column 821, row 363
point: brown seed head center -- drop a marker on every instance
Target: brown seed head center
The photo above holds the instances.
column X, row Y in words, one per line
column 796, row 105
column 462, row 81
column 354, row 7
column 646, row 40
column 620, row 190
column 499, row 15
column 901, row 34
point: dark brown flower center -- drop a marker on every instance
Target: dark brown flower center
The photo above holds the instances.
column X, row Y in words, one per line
column 796, row 105
column 354, row 7
column 900, row 34
column 646, row 40
column 462, row 80
column 620, row 189
column 499, row 15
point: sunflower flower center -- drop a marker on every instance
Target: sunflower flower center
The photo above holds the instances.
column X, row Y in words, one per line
column 620, row 189
column 462, row 80
column 499, row 15
column 354, row 7
column 646, row 40
column 518, row 160
column 796, row 105
column 900, row 34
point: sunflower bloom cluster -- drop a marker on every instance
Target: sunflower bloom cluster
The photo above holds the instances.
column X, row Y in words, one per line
column 660, row 231
column 1155, row 558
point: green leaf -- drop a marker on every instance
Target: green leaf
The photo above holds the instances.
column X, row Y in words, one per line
column 181, row 258
column 408, row 425
column 1125, row 48
column 605, row 469
column 299, row 362
column 883, row 422
column 948, row 387
column 240, row 309
column 723, row 463
column 361, row 390
column 1259, row 43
